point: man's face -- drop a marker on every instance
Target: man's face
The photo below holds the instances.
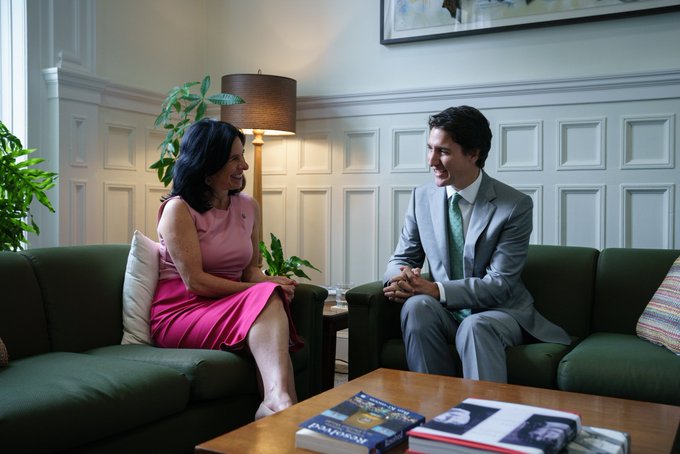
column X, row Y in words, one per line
column 448, row 162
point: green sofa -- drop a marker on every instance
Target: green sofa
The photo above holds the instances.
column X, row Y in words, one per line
column 597, row 297
column 71, row 387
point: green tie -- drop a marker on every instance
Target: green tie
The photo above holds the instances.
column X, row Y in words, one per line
column 456, row 244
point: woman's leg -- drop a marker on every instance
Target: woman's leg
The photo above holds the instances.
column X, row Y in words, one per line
column 268, row 342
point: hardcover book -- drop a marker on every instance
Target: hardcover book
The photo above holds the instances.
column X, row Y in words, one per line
column 591, row 440
column 478, row 425
column 360, row 424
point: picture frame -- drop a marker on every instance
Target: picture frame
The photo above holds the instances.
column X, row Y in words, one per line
column 417, row 20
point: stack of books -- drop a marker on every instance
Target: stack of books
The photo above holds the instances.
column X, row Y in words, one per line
column 361, row 424
column 488, row 426
column 366, row 424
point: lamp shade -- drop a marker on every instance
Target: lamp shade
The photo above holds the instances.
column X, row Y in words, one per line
column 270, row 103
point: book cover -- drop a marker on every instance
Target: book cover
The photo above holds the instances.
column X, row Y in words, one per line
column 478, row 425
column 362, row 423
column 599, row 440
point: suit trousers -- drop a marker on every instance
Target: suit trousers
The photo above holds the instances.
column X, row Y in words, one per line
column 428, row 329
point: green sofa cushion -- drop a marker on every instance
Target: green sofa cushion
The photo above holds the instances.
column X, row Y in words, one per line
column 57, row 401
column 550, row 273
column 528, row 365
column 535, row 364
column 23, row 325
column 621, row 365
column 626, row 281
column 82, row 291
column 213, row 374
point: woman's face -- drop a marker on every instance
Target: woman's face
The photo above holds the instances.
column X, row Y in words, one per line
column 230, row 176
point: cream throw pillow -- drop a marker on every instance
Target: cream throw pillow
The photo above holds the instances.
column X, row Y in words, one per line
column 141, row 277
column 660, row 321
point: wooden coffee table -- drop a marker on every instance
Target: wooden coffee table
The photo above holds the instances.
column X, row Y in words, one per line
column 652, row 426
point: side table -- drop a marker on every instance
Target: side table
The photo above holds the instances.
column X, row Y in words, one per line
column 334, row 320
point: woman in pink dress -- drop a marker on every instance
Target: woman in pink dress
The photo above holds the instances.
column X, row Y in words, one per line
column 211, row 292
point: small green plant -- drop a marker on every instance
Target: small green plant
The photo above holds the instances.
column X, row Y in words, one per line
column 20, row 182
column 176, row 116
column 278, row 266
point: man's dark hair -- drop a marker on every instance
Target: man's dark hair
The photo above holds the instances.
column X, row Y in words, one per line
column 205, row 149
column 468, row 127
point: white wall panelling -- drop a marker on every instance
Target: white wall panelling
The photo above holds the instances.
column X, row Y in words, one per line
column 581, row 215
column 274, row 211
column 404, row 142
column 648, row 141
column 520, row 146
column 362, row 152
column 345, row 215
column 313, row 227
column 399, row 200
column 315, row 154
column 274, row 156
column 119, row 212
column 152, row 139
column 360, row 234
column 78, row 141
column 72, row 47
column 647, row 215
column 78, row 212
column 119, row 147
column 581, row 144
column 536, row 194
column 152, row 201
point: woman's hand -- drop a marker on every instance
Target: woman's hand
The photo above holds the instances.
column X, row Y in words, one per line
column 287, row 285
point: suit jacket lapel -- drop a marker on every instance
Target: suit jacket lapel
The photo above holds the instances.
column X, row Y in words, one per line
column 440, row 223
column 482, row 211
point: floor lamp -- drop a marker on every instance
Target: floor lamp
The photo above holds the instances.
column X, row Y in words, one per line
column 269, row 109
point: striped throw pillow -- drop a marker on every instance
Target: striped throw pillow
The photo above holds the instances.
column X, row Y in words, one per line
column 660, row 321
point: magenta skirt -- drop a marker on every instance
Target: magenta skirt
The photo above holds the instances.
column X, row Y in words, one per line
column 181, row 319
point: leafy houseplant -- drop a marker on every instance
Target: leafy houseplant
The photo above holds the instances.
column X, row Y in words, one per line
column 278, row 266
column 180, row 104
column 20, row 182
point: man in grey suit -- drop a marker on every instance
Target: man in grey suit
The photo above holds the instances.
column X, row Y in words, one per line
column 477, row 299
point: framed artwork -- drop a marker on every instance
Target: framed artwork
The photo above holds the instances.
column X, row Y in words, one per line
column 416, row 20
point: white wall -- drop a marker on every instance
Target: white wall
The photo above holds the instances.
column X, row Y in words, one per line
column 152, row 44
column 585, row 120
column 333, row 48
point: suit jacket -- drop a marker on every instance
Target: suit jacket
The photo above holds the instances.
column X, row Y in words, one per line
column 496, row 247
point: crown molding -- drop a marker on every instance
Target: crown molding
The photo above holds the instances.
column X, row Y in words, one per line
column 68, row 84
column 79, row 86
column 568, row 91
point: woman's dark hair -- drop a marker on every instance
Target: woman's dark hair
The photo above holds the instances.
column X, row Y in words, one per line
column 468, row 128
column 205, row 149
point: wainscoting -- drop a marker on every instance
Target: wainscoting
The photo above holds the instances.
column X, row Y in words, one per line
column 597, row 155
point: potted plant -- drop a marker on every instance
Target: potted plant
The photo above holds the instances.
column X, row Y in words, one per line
column 176, row 116
column 277, row 265
column 20, row 183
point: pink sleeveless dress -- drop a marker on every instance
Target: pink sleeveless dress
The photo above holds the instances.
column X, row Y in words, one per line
column 181, row 319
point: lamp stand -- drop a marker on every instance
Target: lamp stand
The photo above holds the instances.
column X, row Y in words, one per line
column 257, row 142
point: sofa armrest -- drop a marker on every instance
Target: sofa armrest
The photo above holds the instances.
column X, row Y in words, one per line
column 373, row 320
column 307, row 312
